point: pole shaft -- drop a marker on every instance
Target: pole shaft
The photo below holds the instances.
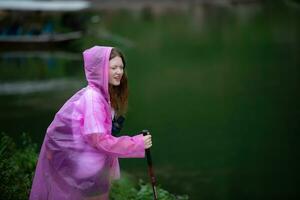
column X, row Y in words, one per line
column 150, row 168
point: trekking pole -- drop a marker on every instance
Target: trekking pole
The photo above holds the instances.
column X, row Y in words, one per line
column 150, row 168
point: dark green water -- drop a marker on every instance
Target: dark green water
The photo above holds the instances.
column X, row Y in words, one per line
column 218, row 89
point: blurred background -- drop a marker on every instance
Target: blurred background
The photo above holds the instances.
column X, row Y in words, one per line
column 215, row 81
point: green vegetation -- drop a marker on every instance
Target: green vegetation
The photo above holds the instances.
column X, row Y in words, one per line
column 17, row 167
column 126, row 188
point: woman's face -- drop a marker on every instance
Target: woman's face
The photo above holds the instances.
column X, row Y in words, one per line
column 116, row 70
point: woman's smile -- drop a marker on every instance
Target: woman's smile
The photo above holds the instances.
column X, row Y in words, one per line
column 117, row 78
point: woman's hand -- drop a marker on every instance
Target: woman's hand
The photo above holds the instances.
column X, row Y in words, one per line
column 147, row 141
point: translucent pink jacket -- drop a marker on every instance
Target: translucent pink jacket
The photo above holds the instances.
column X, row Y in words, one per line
column 79, row 156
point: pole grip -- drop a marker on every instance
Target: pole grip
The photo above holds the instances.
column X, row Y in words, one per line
column 145, row 132
column 148, row 154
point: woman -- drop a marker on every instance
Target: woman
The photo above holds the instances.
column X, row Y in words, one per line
column 79, row 156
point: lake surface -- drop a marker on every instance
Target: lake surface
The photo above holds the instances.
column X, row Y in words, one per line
column 217, row 87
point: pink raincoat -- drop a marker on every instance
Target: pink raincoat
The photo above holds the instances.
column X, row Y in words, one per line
column 79, row 156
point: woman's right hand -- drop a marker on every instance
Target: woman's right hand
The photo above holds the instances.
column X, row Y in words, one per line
column 147, row 141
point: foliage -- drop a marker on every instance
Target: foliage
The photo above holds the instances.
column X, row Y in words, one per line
column 124, row 189
column 16, row 167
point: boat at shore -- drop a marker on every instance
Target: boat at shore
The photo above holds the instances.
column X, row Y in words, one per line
column 33, row 24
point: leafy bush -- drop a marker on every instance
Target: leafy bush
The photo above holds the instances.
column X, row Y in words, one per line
column 125, row 189
column 17, row 166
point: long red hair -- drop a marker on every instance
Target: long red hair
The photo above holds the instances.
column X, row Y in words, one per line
column 119, row 94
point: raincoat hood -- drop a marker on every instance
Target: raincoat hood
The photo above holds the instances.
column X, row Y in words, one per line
column 96, row 66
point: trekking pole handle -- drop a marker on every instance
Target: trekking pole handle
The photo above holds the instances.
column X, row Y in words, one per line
column 145, row 132
column 148, row 154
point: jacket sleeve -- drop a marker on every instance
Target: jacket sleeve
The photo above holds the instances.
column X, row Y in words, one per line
column 96, row 123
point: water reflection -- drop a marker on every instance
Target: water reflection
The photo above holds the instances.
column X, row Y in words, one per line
column 40, row 55
column 28, row 87
column 39, row 65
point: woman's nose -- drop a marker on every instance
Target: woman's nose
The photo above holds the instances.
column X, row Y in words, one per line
column 119, row 71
